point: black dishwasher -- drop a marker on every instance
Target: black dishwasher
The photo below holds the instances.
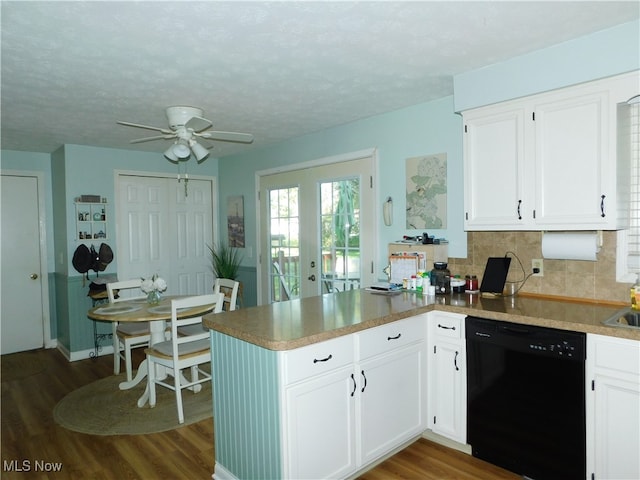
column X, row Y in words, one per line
column 526, row 398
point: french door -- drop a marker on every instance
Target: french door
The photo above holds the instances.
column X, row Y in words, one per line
column 316, row 230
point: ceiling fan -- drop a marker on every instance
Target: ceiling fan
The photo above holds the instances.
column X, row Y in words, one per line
column 186, row 125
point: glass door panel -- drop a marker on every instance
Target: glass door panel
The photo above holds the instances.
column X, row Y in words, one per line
column 340, row 234
column 284, row 254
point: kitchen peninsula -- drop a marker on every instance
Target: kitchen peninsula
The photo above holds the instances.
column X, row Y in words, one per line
column 278, row 370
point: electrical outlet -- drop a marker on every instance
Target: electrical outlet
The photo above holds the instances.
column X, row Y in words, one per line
column 537, row 263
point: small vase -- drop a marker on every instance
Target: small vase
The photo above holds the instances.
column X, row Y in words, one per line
column 153, row 297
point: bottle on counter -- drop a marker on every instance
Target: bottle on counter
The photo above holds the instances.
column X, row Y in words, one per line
column 635, row 294
column 425, row 283
column 419, row 282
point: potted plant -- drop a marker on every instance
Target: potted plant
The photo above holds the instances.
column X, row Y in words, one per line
column 225, row 261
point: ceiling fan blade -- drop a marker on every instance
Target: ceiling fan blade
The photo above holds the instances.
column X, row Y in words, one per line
column 227, row 136
column 137, row 125
column 197, row 124
column 147, row 139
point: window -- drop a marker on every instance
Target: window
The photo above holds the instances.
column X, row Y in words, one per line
column 628, row 262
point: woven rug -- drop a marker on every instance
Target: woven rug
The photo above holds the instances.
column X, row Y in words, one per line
column 100, row 408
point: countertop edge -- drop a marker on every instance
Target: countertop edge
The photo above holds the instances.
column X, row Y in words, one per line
column 209, row 321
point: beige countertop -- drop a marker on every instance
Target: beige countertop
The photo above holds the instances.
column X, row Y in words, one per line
column 296, row 323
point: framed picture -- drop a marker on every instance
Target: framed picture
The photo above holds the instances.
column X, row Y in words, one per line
column 427, row 192
column 235, row 221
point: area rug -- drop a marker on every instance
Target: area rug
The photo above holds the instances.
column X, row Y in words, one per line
column 101, row 408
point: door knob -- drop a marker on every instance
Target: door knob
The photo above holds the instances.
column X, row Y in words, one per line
column 33, row 276
column 312, row 278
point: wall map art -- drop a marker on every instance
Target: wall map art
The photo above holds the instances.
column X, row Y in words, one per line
column 427, row 192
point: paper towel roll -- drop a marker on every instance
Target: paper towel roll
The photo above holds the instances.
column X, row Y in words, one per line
column 570, row 245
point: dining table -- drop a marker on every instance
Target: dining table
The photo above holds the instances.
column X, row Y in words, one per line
column 139, row 310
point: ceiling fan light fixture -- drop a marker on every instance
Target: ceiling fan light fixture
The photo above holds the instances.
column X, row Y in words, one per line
column 181, row 151
column 169, row 155
column 199, row 151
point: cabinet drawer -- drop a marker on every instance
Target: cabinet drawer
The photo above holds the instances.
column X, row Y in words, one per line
column 390, row 336
column 306, row 362
column 447, row 325
column 616, row 354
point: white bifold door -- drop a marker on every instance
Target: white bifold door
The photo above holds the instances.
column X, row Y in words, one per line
column 165, row 229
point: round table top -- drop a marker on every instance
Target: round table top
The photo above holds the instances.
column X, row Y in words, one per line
column 139, row 310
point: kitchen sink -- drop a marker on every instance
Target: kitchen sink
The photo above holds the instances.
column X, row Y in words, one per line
column 626, row 318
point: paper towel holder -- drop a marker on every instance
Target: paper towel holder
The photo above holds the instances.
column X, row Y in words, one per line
column 572, row 245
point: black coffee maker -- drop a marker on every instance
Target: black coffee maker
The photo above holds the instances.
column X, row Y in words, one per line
column 441, row 278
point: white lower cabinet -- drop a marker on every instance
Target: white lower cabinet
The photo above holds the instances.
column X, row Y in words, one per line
column 340, row 416
column 390, row 400
column 447, row 376
column 613, row 408
column 321, row 426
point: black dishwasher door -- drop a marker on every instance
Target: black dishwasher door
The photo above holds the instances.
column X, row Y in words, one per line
column 526, row 398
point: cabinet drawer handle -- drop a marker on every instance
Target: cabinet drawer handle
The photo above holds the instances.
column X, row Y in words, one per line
column 519, row 215
column 394, row 338
column 354, row 384
column 365, row 380
column 315, row 360
column 455, row 361
column 446, row 328
column 602, row 206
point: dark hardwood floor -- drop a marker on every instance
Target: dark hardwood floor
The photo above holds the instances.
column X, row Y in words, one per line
column 30, row 435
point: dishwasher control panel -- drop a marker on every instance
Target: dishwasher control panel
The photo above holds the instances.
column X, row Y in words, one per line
column 560, row 348
column 549, row 342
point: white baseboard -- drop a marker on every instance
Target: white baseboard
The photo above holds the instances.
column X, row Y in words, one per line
column 84, row 354
column 221, row 473
column 434, row 437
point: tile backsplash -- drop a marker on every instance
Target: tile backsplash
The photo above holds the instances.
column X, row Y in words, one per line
column 565, row 278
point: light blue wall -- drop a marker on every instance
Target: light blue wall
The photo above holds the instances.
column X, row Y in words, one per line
column 423, row 129
column 70, row 171
column 602, row 54
column 90, row 170
column 433, row 127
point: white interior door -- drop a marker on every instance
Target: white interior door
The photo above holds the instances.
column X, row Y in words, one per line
column 160, row 230
column 312, row 240
column 23, row 312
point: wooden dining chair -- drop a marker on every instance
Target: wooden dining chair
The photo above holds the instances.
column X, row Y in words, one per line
column 229, row 288
column 127, row 335
column 182, row 352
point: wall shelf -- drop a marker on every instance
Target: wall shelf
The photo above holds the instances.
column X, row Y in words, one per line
column 91, row 221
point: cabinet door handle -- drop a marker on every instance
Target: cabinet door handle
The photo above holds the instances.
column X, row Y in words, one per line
column 365, row 380
column 446, row 328
column 354, row 384
column 602, row 206
column 519, row 215
column 455, row 361
column 394, row 338
column 326, row 359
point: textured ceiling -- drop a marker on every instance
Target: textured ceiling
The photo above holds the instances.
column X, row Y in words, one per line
column 274, row 69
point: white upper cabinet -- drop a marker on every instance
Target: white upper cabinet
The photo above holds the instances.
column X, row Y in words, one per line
column 548, row 162
column 494, row 162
